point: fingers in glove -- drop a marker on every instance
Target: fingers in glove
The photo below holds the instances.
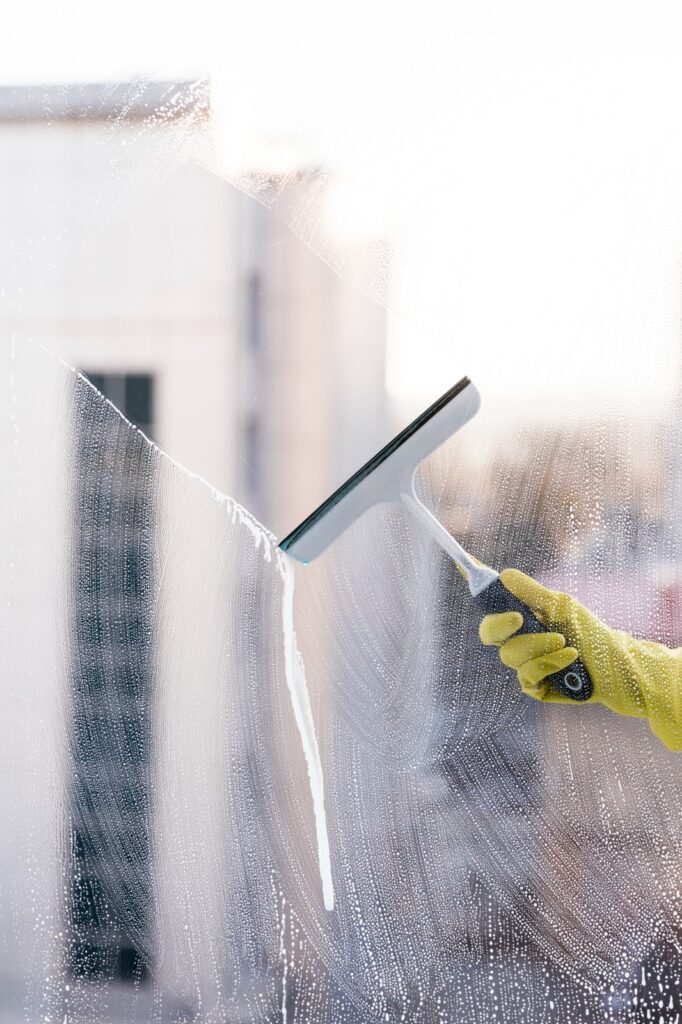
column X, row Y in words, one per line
column 495, row 629
column 547, row 604
column 533, row 672
column 529, row 646
column 544, row 691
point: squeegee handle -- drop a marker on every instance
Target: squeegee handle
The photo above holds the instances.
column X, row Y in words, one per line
column 573, row 682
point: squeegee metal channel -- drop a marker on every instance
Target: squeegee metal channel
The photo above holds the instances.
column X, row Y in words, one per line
column 374, row 462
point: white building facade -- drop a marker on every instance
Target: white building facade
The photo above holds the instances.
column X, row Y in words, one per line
column 214, row 329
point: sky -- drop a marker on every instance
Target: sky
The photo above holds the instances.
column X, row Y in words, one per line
column 523, row 160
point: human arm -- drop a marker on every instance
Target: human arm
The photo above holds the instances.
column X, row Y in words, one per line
column 638, row 678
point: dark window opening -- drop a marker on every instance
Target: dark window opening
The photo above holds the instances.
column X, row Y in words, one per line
column 112, row 643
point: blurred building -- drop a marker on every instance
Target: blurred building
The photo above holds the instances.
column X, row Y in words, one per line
column 218, row 333
column 221, row 335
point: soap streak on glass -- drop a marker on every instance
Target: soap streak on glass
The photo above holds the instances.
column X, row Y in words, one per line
column 300, row 701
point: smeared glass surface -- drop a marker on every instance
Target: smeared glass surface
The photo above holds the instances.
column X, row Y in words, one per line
column 172, row 827
column 491, row 859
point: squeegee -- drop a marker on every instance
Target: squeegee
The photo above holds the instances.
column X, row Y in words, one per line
column 388, row 478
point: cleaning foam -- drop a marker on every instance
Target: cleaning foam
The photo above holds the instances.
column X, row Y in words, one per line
column 300, row 701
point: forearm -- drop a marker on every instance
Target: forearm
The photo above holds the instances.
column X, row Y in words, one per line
column 659, row 674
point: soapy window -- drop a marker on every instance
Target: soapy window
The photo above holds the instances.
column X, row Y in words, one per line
column 237, row 788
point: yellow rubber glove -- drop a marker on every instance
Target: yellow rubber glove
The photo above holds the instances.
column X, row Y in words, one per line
column 632, row 677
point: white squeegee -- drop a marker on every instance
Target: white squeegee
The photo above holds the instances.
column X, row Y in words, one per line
column 388, row 477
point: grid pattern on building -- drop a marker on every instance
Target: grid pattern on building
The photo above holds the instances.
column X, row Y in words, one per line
column 110, row 882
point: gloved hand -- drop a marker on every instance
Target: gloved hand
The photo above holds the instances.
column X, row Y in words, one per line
column 632, row 677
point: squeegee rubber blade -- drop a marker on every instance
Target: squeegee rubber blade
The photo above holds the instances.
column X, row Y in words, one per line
column 372, row 483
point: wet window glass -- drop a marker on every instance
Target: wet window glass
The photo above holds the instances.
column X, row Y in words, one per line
column 366, row 778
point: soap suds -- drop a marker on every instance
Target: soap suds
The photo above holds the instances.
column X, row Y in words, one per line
column 300, row 701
